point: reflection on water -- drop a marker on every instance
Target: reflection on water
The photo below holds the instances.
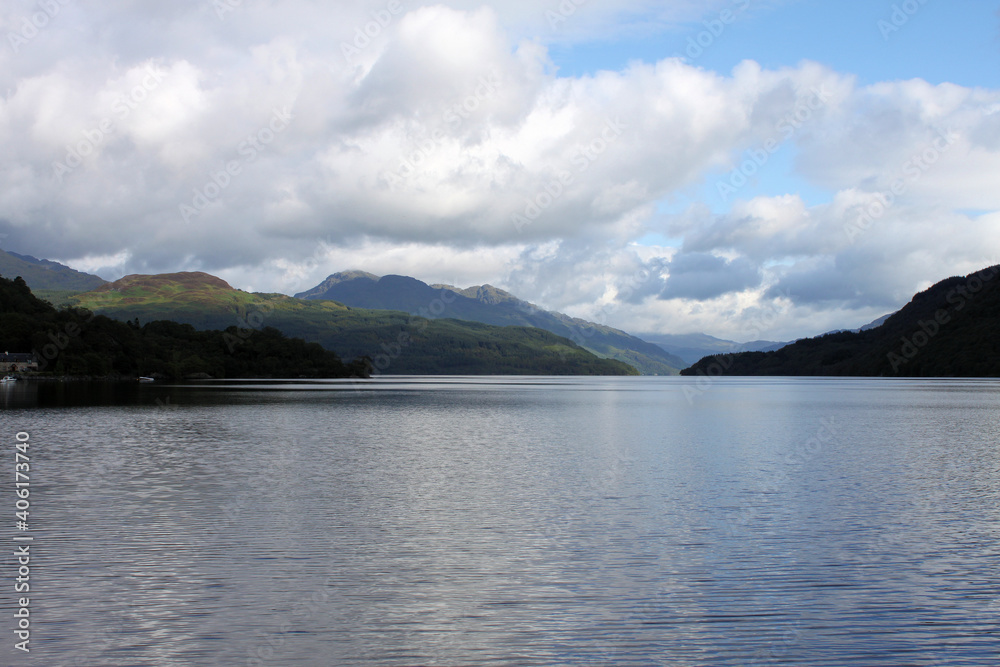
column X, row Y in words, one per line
column 535, row 521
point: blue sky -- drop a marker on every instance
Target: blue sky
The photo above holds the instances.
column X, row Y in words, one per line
column 940, row 42
column 582, row 173
column 952, row 42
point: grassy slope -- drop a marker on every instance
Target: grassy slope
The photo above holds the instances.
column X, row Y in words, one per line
column 56, row 297
column 397, row 342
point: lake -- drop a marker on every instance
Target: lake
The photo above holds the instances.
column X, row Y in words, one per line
column 517, row 521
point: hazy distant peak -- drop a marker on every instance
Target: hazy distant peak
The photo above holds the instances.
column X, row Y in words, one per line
column 876, row 323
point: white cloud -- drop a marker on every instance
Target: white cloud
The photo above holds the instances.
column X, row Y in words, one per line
column 448, row 148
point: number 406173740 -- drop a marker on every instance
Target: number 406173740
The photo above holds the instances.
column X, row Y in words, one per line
column 22, row 481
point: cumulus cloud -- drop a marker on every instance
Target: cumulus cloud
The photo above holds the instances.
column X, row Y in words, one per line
column 704, row 276
column 276, row 143
column 445, row 134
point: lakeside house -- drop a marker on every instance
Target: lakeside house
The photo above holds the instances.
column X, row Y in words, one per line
column 17, row 362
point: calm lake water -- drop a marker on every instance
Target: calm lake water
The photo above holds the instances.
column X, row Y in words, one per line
column 515, row 521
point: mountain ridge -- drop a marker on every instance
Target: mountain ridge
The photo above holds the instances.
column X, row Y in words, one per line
column 489, row 305
column 44, row 274
column 396, row 342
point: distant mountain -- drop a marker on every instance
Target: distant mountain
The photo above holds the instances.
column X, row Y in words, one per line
column 871, row 325
column 948, row 330
column 692, row 347
column 42, row 274
column 877, row 323
column 490, row 305
column 396, row 342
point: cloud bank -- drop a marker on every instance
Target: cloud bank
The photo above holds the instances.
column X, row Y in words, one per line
column 275, row 143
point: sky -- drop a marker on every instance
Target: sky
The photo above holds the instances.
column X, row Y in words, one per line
column 751, row 169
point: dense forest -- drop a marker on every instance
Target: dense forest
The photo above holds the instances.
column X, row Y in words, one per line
column 948, row 330
column 76, row 342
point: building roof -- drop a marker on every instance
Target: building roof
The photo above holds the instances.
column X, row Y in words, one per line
column 16, row 357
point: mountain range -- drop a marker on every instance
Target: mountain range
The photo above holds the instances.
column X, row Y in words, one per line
column 692, row 347
column 396, row 342
column 490, row 305
column 947, row 330
column 357, row 314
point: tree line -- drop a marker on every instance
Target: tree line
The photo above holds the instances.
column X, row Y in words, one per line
column 76, row 342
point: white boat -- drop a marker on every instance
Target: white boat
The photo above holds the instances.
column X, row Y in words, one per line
column 8, row 379
column 146, row 379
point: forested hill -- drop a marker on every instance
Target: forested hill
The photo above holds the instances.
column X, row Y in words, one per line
column 77, row 342
column 948, row 330
column 397, row 342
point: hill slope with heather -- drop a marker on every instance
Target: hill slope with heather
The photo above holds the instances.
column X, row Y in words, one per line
column 489, row 305
column 948, row 330
column 397, row 342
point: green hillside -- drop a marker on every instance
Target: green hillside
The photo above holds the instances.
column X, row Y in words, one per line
column 77, row 342
column 397, row 342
